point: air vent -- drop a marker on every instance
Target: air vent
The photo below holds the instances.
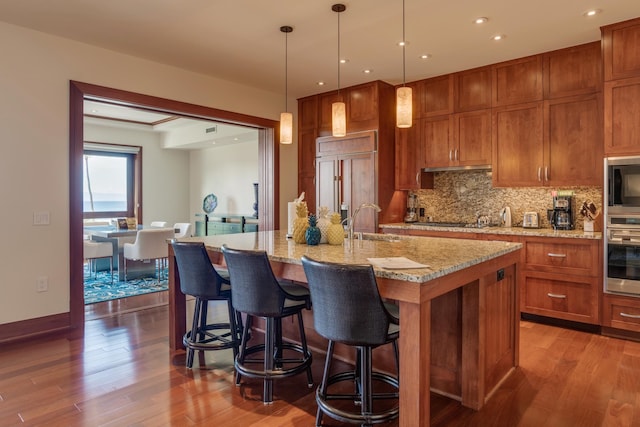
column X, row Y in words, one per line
column 213, row 129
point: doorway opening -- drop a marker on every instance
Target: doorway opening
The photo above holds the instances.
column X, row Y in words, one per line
column 268, row 164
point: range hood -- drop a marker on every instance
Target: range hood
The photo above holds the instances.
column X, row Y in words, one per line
column 457, row 168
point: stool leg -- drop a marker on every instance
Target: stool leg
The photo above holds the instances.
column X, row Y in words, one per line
column 194, row 332
column 365, row 377
column 322, row 390
column 233, row 328
column 269, row 338
column 277, row 350
column 243, row 345
column 303, row 341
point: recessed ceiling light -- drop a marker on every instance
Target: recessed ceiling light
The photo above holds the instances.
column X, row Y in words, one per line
column 402, row 43
column 425, row 56
column 498, row 37
column 481, row 20
column 592, row 12
column 367, row 71
column 320, row 83
column 344, row 61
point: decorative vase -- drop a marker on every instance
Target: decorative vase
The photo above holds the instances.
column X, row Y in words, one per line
column 323, row 223
column 335, row 232
column 301, row 223
column 312, row 235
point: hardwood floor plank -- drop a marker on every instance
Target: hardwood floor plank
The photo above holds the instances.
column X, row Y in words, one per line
column 122, row 373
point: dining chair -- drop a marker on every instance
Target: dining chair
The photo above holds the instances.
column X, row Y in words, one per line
column 150, row 244
column 183, row 229
column 158, row 224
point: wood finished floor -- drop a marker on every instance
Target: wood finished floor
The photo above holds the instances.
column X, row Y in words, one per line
column 122, row 374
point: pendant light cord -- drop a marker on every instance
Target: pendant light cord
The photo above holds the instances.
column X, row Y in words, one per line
column 286, row 71
column 339, row 53
column 404, row 45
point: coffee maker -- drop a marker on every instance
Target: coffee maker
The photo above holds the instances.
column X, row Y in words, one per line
column 412, row 208
column 561, row 216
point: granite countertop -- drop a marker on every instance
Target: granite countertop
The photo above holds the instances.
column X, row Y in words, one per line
column 442, row 255
column 512, row 231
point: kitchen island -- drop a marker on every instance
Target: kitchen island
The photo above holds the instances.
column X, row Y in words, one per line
column 465, row 302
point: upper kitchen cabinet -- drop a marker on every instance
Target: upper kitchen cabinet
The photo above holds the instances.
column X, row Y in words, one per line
column 409, row 158
column 517, row 138
column 307, row 133
column 573, row 71
column 573, row 141
column 621, row 50
column 472, row 89
column 434, row 96
column 517, row 81
column 622, row 117
column 367, row 106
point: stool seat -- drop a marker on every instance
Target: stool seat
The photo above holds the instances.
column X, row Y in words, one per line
column 348, row 309
column 257, row 293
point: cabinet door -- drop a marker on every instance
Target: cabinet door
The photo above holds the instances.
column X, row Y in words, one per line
column 308, row 113
column 358, row 178
column 572, row 71
column 437, row 138
column 517, row 145
column 621, row 49
column 472, row 138
column 573, row 135
column 472, row 89
column 306, row 164
column 621, row 113
column 435, row 96
column 517, row 81
column 408, row 157
column 327, row 185
column 362, row 107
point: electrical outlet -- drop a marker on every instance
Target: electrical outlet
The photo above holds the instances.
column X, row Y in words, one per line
column 42, row 284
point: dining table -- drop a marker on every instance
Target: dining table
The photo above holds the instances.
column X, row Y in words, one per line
column 457, row 299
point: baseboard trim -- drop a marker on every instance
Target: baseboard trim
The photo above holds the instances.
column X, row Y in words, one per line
column 54, row 324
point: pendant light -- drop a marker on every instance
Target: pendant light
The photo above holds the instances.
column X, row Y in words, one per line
column 404, row 96
column 338, row 109
column 286, row 118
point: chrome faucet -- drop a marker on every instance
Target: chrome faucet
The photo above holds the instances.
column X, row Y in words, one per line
column 350, row 221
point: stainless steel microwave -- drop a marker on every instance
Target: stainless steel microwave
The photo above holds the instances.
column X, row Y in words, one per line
column 623, row 184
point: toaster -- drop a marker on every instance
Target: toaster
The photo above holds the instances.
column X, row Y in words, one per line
column 530, row 220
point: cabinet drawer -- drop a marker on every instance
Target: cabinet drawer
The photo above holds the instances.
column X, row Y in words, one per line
column 621, row 312
column 575, row 258
column 551, row 296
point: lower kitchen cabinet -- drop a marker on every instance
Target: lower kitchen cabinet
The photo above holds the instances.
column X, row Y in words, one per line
column 620, row 312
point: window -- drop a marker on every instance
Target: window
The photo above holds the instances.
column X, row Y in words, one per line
column 109, row 184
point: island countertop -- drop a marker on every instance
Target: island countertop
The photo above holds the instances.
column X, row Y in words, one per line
column 473, row 318
column 442, row 255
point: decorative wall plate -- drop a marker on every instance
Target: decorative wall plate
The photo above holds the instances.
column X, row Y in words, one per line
column 209, row 203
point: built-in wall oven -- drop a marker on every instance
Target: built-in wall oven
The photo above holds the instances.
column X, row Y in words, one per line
column 622, row 226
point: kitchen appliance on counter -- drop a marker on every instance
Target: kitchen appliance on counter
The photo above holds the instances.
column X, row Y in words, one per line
column 561, row 216
column 505, row 217
column 412, row 208
column 530, row 220
column 622, row 254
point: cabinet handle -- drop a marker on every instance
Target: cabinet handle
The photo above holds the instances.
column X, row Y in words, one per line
column 450, row 154
column 560, row 296
column 418, row 178
column 455, row 154
column 632, row 316
column 539, row 174
column 546, row 173
column 552, row 255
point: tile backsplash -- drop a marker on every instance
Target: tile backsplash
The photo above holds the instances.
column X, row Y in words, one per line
column 463, row 196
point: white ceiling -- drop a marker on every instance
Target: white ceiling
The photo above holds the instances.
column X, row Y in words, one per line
column 241, row 41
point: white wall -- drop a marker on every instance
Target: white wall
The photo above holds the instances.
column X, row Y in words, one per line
column 34, row 149
column 228, row 172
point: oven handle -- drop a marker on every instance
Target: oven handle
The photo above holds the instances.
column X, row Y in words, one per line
column 624, row 236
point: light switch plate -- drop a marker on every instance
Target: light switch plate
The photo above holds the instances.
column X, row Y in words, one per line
column 41, row 218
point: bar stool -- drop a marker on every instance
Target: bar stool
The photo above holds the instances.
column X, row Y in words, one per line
column 257, row 293
column 200, row 279
column 347, row 309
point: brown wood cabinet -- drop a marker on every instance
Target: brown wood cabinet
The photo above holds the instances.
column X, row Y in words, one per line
column 434, row 96
column 572, row 71
column 517, row 81
column 622, row 113
column 573, row 141
column 621, row 312
column 621, row 50
column 472, row 89
column 562, row 278
column 409, row 159
column 517, row 139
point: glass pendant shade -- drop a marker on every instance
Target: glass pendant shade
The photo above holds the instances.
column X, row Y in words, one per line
column 286, row 128
column 404, row 107
column 338, row 119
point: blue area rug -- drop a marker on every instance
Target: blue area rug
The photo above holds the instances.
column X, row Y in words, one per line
column 100, row 288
